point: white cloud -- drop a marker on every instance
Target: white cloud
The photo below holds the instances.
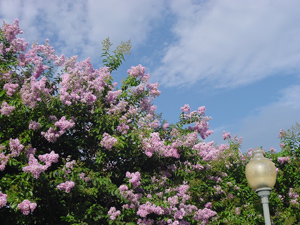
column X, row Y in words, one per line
column 78, row 27
column 228, row 43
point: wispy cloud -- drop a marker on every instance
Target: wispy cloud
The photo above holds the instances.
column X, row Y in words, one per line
column 263, row 126
column 228, row 43
column 78, row 27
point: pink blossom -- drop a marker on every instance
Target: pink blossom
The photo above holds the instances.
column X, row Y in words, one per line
column 112, row 96
column 15, row 147
column 155, row 145
column 26, row 207
column 190, row 139
column 204, row 215
column 154, row 92
column 135, row 178
column 282, row 160
column 108, row 141
column 207, row 151
column 10, row 88
column 29, row 150
column 3, row 199
column 6, row 109
column 117, row 109
column 66, row 186
column 145, row 221
column 113, row 213
column 82, row 82
column 123, row 128
column 34, row 167
column 52, row 135
column 280, row 133
column 149, row 208
column 218, row 189
column 226, row 135
column 33, row 125
column 186, row 108
column 173, row 200
column 136, row 71
column 202, row 128
column 123, row 188
column 33, row 90
column 10, row 31
column 49, row 158
column 64, row 124
column 201, row 110
column 208, row 205
column 3, row 161
column 165, row 126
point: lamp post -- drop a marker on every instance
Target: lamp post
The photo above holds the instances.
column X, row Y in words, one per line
column 261, row 176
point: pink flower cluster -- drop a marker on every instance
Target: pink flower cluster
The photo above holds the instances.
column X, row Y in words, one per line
column 154, row 144
column 118, row 108
column 186, row 109
column 10, row 88
column 26, row 207
column 36, row 56
column 226, row 135
column 148, row 208
column 175, row 206
column 108, row 141
column 10, row 31
column 52, row 135
column 207, row 150
column 153, row 90
column 137, row 71
column 36, row 168
column 198, row 117
column 69, row 166
column 280, row 133
column 84, row 178
column 123, row 127
column 3, row 161
column 6, row 109
column 190, row 139
column 204, row 215
column 66, row 186
column 50, row 158
column 33, row 125
column 33, row 90
column 113, row 213
column 135, row 178
column 15, row 147
column 112, row 96
column 282, row 160
column 83, row 83
column 202, row 128
column 294, row 197
column 3, row 199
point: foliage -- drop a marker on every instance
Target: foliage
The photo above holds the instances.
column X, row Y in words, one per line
column 75, row 150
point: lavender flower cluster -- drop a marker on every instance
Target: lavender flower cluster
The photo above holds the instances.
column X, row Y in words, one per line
column 175, row 207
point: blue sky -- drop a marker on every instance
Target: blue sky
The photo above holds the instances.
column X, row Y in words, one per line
column 241, row 59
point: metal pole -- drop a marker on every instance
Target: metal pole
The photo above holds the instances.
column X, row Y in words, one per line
column 264, row 193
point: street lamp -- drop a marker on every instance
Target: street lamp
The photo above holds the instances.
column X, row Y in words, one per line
column 261, row 176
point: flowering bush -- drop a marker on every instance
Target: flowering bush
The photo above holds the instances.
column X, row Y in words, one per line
column 75, row 149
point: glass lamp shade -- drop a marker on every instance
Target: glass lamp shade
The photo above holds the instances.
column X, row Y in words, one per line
column 260, row 171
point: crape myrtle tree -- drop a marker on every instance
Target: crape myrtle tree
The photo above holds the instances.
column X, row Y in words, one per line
column 75, row 149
